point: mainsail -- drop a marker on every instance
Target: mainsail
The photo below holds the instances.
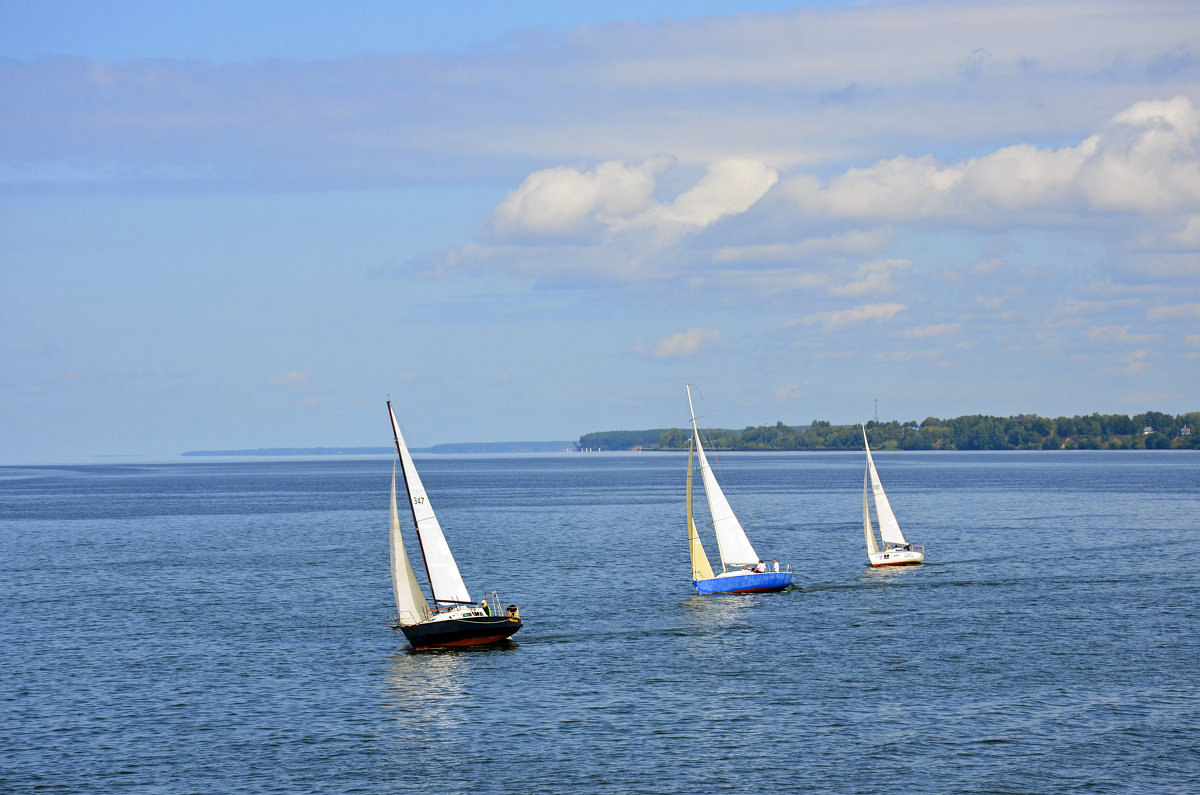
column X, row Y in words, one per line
column 889, row 528
column 444, row 579
column 701, row 568
column 732, row 543
column 410, row 602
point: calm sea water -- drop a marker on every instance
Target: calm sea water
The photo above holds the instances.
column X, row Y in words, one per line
column 221, row 627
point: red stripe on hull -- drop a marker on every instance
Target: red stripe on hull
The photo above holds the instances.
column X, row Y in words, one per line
column 758, row 590
column 899, row 563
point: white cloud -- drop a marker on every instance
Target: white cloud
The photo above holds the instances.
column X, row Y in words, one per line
column 688, row 343
column 1173, row 311
column 788, row 393
column 856, row 242
column 1146, row 160
column 872, row 277
column 876, row 312
column 1130, row 364
column 1117, row 334
column 293, row 380
column 559, row 201
column 932, row 330
column 729, row 188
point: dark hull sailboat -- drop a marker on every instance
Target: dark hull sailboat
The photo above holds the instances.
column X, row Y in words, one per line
column 455, row 620
column 458, row 632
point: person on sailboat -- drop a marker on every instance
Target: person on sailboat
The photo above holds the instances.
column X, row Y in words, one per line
column 761, row 568
column 775, row 565
column 486, row 610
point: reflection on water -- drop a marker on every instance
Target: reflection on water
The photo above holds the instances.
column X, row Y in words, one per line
column 422, row 688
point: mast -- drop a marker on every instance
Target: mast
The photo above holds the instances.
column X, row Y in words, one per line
column 444, row 579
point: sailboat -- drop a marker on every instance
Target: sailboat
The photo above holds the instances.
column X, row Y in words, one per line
column 895, row 551
column 454, row 619
column 742, row 571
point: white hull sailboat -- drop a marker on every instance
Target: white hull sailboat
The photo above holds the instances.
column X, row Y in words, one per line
column 742, row 571
column 454, row 619
column 892, row 549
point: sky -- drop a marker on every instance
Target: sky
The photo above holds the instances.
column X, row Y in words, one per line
column 240, row 225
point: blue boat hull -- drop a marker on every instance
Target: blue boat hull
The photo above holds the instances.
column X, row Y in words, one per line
column 745, row 583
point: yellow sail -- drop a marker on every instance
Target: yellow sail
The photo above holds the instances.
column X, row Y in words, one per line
column 701, row 570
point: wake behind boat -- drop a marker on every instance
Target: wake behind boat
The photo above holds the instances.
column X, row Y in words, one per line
column 455, row 619
column 742, row 571
column 895, row 551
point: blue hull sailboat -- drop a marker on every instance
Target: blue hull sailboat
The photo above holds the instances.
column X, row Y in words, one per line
column 742, row 571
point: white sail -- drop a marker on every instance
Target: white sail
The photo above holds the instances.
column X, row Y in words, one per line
column 872, row 547
column 889, row 528
column 444, row 579
column 411, row 606
column 734, row 547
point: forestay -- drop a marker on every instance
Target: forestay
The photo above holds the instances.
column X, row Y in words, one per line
column 411, row 606
column 444, row 579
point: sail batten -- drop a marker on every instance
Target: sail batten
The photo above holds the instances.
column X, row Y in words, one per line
column 411, row 606
column 732, row 544
column 444, row 579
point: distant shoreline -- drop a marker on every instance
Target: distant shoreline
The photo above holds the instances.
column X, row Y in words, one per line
column 441, row 449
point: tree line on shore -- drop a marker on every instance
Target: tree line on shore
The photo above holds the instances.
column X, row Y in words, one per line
column 1149, row 431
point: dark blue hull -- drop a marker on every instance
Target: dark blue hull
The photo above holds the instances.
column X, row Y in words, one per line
column 745, row 583
column 469, row 631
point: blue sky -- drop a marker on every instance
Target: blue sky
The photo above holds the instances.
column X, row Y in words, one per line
column 232, row 225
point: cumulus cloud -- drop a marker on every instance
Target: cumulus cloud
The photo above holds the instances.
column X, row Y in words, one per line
column 685, row 344
column 932, row 330
column 1187, row 311
column 560, row 201
column 1117, row 334
column 858, row 314
column 1130, row 364
column 1145, row 160
column 729, row 188
column 293, row 380
column 872, row 277
column 862, row 242
column 789, row 392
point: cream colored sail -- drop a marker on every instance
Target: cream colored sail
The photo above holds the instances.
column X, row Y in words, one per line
column 444, row 579
column 732, row 543
column 872, row 547
column 701, row 568
column 411, row 606
column 889, row 528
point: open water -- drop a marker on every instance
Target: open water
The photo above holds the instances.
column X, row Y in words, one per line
column 221, row 627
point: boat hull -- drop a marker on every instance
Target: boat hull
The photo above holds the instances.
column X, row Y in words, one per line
column 459, row 632
column 896, row 557
column 745, row 583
